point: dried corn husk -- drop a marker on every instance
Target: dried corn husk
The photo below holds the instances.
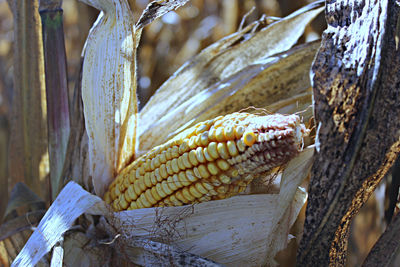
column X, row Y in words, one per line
column 246, row 230
column 109, row 90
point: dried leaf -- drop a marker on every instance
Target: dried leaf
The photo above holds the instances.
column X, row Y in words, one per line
column 355, row 78
column 279, row 83
column 217, row 63
column 72, row 202
column 109, row 90
column 156, row 9
column 245, row 230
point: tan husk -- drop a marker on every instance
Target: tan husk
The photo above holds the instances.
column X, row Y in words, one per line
column 109, row 91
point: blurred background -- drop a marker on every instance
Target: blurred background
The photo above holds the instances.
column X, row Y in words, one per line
column 165, row 45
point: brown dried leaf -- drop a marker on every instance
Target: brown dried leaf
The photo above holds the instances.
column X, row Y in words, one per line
column 356, row 75
column 156, row 9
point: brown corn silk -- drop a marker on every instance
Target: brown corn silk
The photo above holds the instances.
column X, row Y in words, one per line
column 215, row 159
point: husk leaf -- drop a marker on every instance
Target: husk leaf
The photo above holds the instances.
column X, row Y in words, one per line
column 109, row 90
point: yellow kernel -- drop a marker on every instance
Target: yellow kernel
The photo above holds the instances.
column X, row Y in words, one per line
column 168, row 154
column 202, row 128
column 219, row 134
column 192, row 143
column 211, row 135
column 183, row 179
column 136, row 187
column 174, row 165
column 174, row 201
column 132, row 177
column 249, row 138
column 163, row 171
column 157, row 162
column 214, row 180
column 223, row 151
column 207, row 155
column 232, row 148
column 223, row 165
column 180, row 163
column 171, row 183
column 176, row 181
column 163, row 157
column 201, row 188
column 139, row 203
column 192, row 157
column 204, row 139
column 225, row 179
column 115, row 204
column 175, row 152
column 241, row 146
column 133, row 206
column 180, row 196
column 155, row 194
column 184, row 147
column 141, row 170
column 197, row 140
column 229, row 133
column 207, row 185
column 212, row 150
column 158, row 175
column 150, row 197
column 144, row 201
column 147, row 165
column 147, row 179
column 107, row 197
column 137, row 173
column 160, row 191
column 196, row 172
column 203, row 171
column 239, row 131
column 212, row 168
column 152, row 164
column 153, row 178
column 199, row 155
column 169, row 167
column 166, row 188
column 193, row 191
column 185, row 160
column 190, row 175
column 187, row 195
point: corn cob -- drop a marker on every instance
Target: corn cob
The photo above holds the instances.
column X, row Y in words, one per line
column 212, row 160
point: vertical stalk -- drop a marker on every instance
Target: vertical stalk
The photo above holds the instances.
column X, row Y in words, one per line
column 58, row 116
column 28, row 143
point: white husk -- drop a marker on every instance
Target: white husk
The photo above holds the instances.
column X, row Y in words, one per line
column 246, row 230
column 109, row 91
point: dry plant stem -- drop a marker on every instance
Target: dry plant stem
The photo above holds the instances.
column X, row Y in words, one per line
column 28, row 145
column 4, row 141
column 356, row 75
column 58, row 116
column 385, row 248
column 393, row 191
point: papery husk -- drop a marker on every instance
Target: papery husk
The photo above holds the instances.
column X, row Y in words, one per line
column 231, row 62
column 246, row 230
column 109, row 90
